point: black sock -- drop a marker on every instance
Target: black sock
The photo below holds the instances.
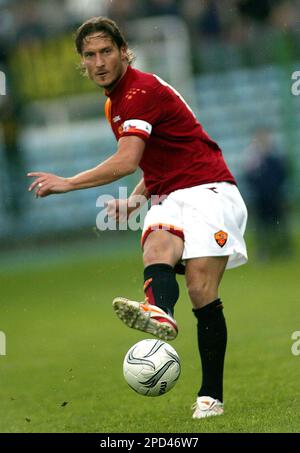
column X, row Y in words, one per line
column 212, row 339
column 161, row 287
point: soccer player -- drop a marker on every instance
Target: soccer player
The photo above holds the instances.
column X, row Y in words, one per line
column 200, row 218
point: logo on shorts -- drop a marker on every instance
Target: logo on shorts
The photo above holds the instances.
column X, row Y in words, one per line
column 221, row 238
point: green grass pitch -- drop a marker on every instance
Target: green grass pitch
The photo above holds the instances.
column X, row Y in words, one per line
column 62, row 371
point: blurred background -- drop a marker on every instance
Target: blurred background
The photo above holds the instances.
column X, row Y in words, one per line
column 235, row 62
column 232, row 60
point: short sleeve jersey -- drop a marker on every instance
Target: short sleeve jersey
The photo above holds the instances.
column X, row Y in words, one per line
column 178, row 152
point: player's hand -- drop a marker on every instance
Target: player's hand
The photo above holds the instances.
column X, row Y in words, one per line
column 47, row 184
column 118, row 210
column 121, row 209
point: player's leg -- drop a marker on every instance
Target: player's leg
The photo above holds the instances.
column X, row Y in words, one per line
column 203, row 276
column 162, row 250
column 215, row 220
column 162, row 242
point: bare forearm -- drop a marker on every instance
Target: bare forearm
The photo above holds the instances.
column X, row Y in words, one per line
column 108, row 171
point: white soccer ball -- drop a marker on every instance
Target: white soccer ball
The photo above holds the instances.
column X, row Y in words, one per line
column 151, row 367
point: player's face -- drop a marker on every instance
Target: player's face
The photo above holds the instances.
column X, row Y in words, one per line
column 104, row 61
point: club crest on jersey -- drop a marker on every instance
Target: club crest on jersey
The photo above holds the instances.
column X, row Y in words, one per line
column 221, row 238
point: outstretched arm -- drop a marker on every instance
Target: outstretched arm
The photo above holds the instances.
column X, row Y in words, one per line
column 124, row 162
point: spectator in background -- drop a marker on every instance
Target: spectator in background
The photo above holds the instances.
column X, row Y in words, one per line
column 161, row 7
column 266, row 176
column 257, row 9
column 123, row 11
column 209, row 24
column 203, row 18
column 286, row 15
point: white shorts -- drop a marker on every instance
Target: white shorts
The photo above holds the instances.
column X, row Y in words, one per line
column 210, row 218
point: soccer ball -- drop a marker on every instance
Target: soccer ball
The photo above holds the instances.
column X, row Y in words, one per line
column 151, row 367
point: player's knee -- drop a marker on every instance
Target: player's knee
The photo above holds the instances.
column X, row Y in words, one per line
column 201, row 293
column 156, row 255
column 157, row 251
column 197, row 291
